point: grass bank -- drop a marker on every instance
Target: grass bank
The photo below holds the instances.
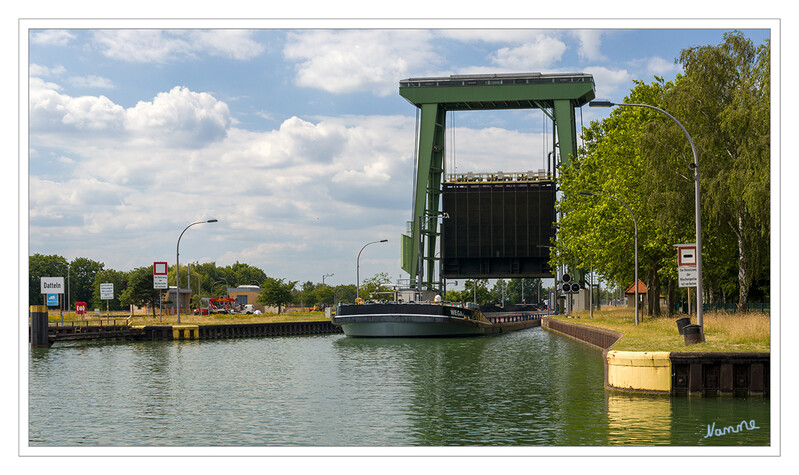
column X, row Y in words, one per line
column 230, row 319
column 140, row 320
column 747, row 332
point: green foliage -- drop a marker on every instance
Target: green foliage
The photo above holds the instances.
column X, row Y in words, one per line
column 108, row 276
column 39, row 266
column 344, row 293
column 474, row 291
column 139, row 291
column 373, row 286
column 531, row 291
column 82, row 273
column 643, row 158
column 276, row 292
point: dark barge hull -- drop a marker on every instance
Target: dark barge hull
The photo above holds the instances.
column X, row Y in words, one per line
column 412, row 320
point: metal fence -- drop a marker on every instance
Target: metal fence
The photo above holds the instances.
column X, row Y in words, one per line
column 751, row 307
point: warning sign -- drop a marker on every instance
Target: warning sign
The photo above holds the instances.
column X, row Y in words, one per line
column 686, row 265
column 686, row 255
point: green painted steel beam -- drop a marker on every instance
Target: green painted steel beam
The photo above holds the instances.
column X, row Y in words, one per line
column 480, row 93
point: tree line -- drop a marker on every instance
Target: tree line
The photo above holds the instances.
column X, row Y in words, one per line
column 643, row 158
column 135, row 287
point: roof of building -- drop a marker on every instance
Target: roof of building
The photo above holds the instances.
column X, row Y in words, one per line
column 641, row 288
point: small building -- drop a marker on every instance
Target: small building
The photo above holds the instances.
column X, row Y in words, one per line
column 630, row 293
column 168, row 303
column 248, row 294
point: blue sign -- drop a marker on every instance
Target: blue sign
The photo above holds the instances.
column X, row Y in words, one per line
column 52, row 300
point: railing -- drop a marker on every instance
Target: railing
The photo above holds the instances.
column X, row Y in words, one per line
column 109, row 321
column 522, row 177
column 513, row 318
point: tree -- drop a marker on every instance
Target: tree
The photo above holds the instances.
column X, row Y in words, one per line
column 531, row 290
column 324, row 294
column 641, row 157
column 276, row 292
column 725, row 98
column 82, row 272
column 373, row 286
column 108, row 276
column 308, row 295
column 344, row 293
column 39, row 266
column 140, row 291
column 474, row 291
column 246, row 274
column 597, row 231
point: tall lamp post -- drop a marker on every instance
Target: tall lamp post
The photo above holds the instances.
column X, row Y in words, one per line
column 635, row 226
column 358, row 268
column 697, row 204
column 177, row 259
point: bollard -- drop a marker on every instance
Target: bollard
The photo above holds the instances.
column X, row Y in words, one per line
column 693, row 334
column 39, row 337
column 681, row 323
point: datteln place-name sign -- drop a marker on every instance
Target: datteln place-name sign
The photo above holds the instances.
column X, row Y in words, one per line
column 52, row 285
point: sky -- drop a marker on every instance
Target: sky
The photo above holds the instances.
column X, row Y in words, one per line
column 295, row 138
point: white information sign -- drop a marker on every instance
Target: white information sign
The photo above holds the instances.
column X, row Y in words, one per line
column 160, row 282
column 687, row 276
column 107, row 291
column 52, row 285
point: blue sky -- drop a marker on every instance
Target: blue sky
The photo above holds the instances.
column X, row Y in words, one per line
column 295, row 138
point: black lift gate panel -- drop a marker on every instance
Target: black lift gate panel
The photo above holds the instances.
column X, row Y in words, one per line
column 497, row 230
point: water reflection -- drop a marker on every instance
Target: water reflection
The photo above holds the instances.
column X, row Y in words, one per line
column 527, row 388
column 638, row 419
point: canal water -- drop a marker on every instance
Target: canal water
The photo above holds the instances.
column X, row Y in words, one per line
column 527, row 388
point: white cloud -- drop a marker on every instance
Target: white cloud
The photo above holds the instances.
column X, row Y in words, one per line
column 536, row 55
column 352, row 61
column 52, row 37
column 91, row 81
column 590, row 43
column 659, row 66
column 179, row 117
column 37, row 70
column 51, row 110
column 610, row 82
column 160, row 46
column 495, row 35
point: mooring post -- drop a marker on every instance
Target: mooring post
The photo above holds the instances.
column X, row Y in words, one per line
column 39, row 338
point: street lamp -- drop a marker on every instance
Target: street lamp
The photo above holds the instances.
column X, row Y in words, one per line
column 697, row 205
column 177, row 260
column 358, row 268
column 635, row 225
column 326, row 275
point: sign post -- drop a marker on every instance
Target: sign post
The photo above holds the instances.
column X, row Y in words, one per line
column 687, row 269
column 686, row 265
column 51, row 287
column 107, row 293
column 160, row 283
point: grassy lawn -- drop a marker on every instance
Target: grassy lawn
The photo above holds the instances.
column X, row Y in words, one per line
column 748, row 332
column 230, row 319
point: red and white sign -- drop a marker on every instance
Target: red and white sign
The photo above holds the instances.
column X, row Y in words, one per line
column 687, row 273
column 80, row 308
column 160, row 268
column 686, row 255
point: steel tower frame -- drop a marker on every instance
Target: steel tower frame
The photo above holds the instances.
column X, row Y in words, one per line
column 556, row 94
